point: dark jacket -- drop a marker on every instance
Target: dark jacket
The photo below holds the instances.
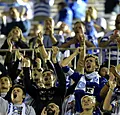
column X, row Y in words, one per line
column 43, row 96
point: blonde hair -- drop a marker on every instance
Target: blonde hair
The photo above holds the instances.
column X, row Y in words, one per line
column 91, row 97
column 21, row 34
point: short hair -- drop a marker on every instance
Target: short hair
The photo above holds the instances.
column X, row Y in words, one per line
column 45, row 70
column 91, row 97
column 63, row 4
column 21, row 87
column 1, row 76
column 95, row 57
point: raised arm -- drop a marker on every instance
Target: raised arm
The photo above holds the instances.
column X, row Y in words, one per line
column 82, row 53
column 107, row 102
column 59, row 72
column 66, row 61
column 41, row 48
column 31, row 90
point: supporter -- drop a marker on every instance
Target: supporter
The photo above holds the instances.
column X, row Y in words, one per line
column 111, row 102
column 49, row 93
column 95, row 26
column 37, row 72
column 68, row 106
column 88, row 80
column 42, row 9
column 16, row 106
column 51, row 109
column 111, row 39
column 5, row 85
column 89, row 106
column 49, row 38
column 34, row 33
column 103, row 71
column 64, row 30
column 78, row 38
column 14, row 40
column 113, row 76
column 64, row 14
column 13, row 19
column 28, row 4
column 78, row 8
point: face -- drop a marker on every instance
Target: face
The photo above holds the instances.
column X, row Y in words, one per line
column 117, row 22
column 78, row 28
column 48, row 22
column 87, row 103
column 16, row 33
column 52, row 109
column 48, row 79
column 5, row 83
column 93, row 13
column 90, row 65
column 17, row 95
column 14, row 13
column 103, row 71
column 37, row 77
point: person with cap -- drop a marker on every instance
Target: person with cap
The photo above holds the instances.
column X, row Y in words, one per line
column 16, row 105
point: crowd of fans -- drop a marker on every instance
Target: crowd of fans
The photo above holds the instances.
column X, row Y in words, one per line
column 39, row 77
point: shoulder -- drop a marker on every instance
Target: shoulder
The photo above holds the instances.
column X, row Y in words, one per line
column 30, row 110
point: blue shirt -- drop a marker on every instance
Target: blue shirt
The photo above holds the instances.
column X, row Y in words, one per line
column 89, row 87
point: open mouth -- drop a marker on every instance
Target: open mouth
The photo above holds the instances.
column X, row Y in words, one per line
column 14, row 95
column 88, row 66
column 46, row 79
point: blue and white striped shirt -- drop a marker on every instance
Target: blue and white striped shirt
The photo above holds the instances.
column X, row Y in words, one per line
column 113, row 52
column 42, row 8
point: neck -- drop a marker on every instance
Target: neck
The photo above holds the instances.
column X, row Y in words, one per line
column 17, row 103
column 88, row 111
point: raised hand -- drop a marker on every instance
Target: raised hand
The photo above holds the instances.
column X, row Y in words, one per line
column 55, row 51
column 50, row 29
column 44, row 112
column 112, row 84
column 40, row 38
column 78, row 50
column 18, row 55
column 26, row 62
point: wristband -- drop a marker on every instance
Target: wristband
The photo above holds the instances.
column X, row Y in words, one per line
column 40, row 45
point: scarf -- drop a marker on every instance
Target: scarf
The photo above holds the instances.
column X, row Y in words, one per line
column 68, row 105
column 93, row 77
column 14, row 108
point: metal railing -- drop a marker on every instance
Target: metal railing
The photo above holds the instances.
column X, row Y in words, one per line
column 100, row 54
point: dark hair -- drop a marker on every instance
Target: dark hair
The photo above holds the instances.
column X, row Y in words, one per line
column 2, row 75
column 62, row 4
column 101, row 66
column 21, row 87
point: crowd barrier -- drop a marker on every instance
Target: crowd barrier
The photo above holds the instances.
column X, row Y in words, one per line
column 100, row 53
